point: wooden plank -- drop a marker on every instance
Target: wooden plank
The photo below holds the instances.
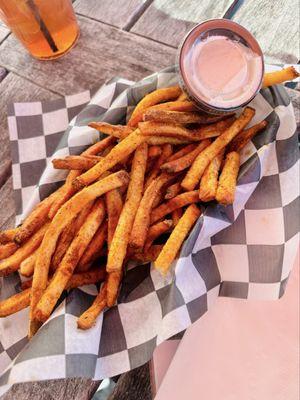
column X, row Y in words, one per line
column 101, row 53
column 4, row 31
column 168, row 21
column 113, row 12
column 275, row 24
column 7, row 209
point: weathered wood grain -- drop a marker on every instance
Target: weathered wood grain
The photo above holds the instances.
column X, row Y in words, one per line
column 101, row 53
column 275, row 24
column 113, row 12
column 168, row 21
column 7, row 209
column 4, row 31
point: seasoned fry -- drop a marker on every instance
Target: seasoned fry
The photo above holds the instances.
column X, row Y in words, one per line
column 94, row 249
column 277, row 77
column 156, row 230
column 118, row 247
column 65, row 270
column 7, row 249
column 182, row 152
column 177, row 105
column 142, row 218
column 173, row 244
column 147, row 256
column 209, row 180
column 88, row 318
column 159, row 140
column 245, row 136
column 86, row 278
column 76, row 162
column 13, row 262
column 227, row 182
column 8, row 235
column 176, row 215
column 173, row 190
column 15, row 303
column 118, row 131
column 112, row 288
column 179, row 117
column 214, row 130
column 153, row 152
column 182, row 97
column 114, row 205
column 198, row 167
column 69, row 233
column 117, row 154
column 27, row 265
column 186, row 161
column 158, row 96
column 179, row 201
column 155, row 170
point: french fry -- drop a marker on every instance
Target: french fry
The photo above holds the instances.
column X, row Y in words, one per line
column 215, row 129
column 186, row 161
column 182, row 97
column 177, row 105
column 209, row 180
column 159, row 140
column 153, row 152
column 15, row 303
column 227, row 181
column 76, row 162
column 182, row 152
column 67, row 235
column 155, row 170
column 94, row 249
column 7, row 249
column 199, row 165
column 13, row 262
column 86, row 278
column 157, row 230
column 118, row 247
column 176, row 215
column 147, row 256
column 277, row 77
column 118, row 131
column 178, row 235
column 65, row 215
column 173, row 190
column 88, row 318
column 245, row 136
column 117, row 154
column 27, row 265
column 114, row 205
column 155, row 97
column 112, row 288
column 8, row 235
column 179, row 201
column 179, row 117
column 142, row 217
column 65, row 270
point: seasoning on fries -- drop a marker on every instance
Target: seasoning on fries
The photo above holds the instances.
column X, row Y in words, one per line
column 227, row 182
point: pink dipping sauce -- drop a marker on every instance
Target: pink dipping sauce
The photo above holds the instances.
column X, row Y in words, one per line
column 220, row 69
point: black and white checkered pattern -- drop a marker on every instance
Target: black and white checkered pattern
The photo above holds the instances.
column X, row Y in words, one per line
column 245, row 250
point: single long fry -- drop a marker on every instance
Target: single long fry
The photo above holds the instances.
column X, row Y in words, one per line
column 114, row 205
column 7, row 249
column 147, row 256
column 178, row 105
column 13, row 262
column 155, row 170
column 159, row 140
column 112, row 288
column 173, row 190
column 227, row 182
column 94, row 249
column 277, row 77
column 178, row 235
column 86, row 278
column 142, row 218
column 186, row 161
column 118, row 131
column 157, row 230
column 65, row 215
column 27, row 265
column 65, row 270
column 179, row 201
column 88, row 318
column 76, row 162
column 179, row 117
column 209, row 180
column 117, row 154
column 153, row 152
column 118, row 247
column 182, row 152
column 158, row 96
column 176, row 215
column 8, row 235
column 198, row 167
column 15, row 303
column 245, row 136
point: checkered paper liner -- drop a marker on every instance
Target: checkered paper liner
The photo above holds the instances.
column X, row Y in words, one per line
column 243, row 251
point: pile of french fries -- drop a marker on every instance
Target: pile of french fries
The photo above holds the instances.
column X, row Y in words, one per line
column 134, row 195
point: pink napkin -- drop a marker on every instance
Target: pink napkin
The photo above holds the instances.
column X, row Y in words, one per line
column 245, row 350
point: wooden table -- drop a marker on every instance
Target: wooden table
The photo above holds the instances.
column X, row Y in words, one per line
column 128, row 38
